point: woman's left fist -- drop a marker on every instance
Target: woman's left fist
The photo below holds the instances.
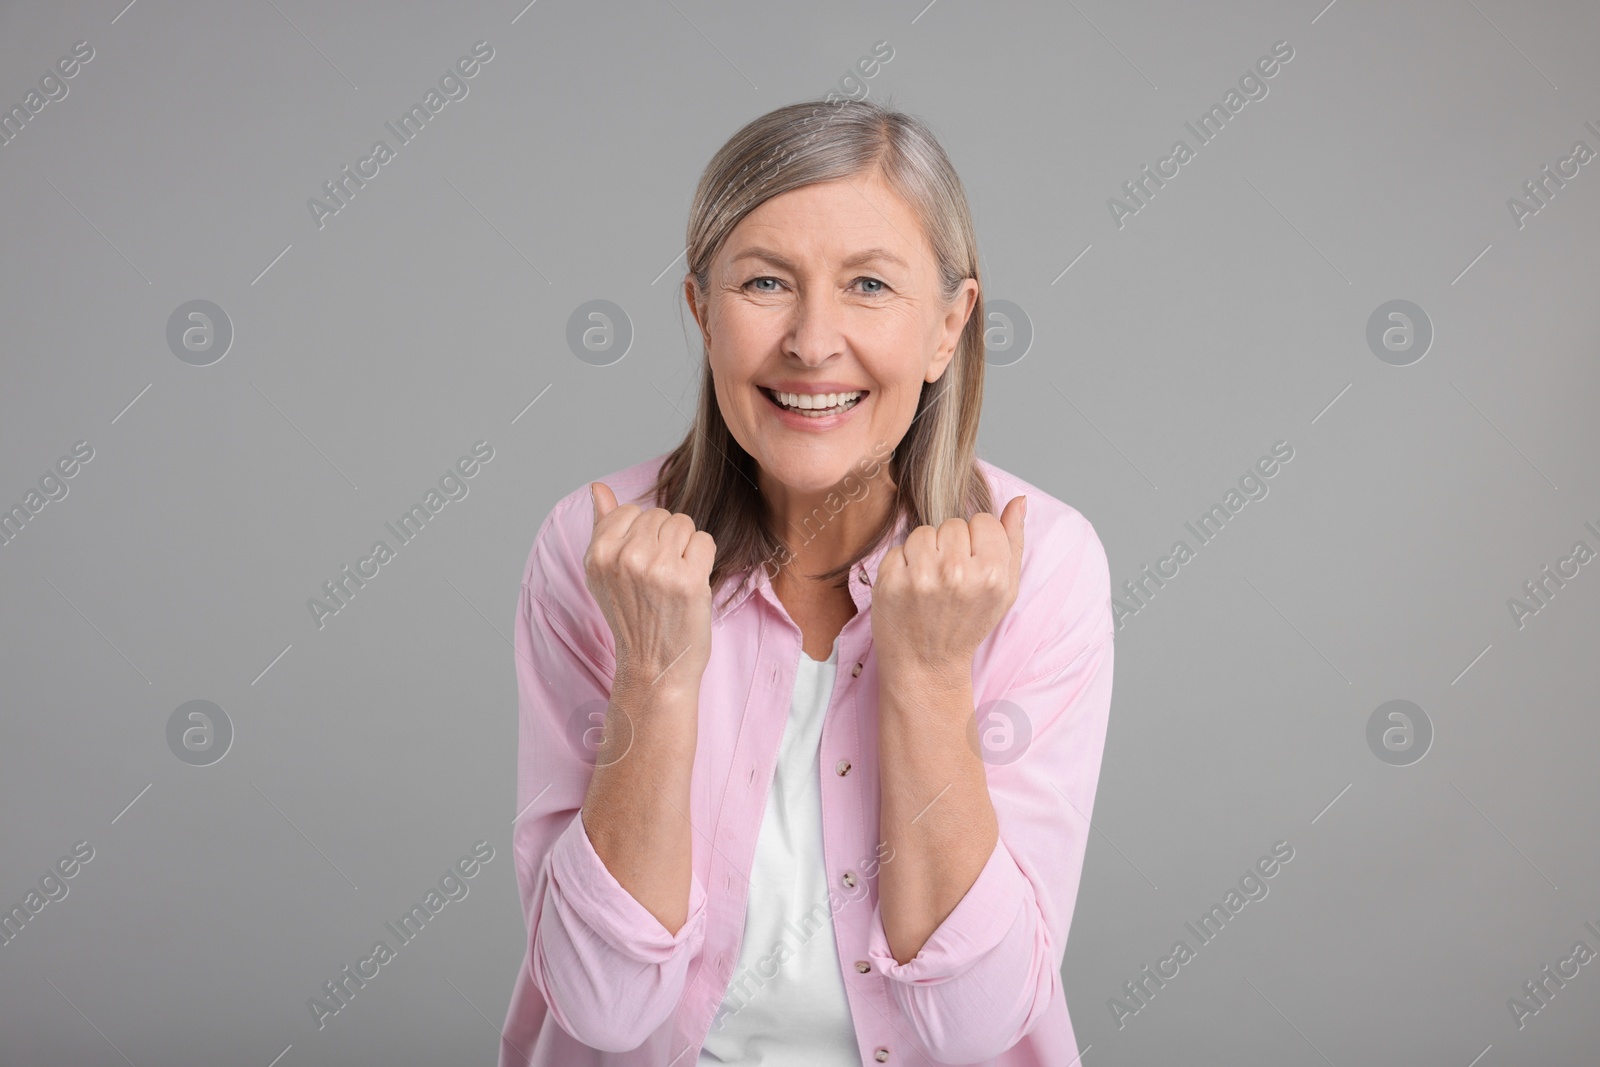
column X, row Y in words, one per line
column 938, row 596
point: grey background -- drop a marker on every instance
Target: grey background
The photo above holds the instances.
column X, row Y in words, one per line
column 1228, row 314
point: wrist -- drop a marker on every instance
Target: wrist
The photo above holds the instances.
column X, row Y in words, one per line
column 919, row 676
column 660, row 721
column 662, row 706
column 652, row 683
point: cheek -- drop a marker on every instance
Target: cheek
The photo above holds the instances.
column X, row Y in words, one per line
column 906, row 405
column 729, row 400
column 739, row 340
column 736, row 397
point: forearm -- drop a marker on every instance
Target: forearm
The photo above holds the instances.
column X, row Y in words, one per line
column 636, row 811
column 934, row 805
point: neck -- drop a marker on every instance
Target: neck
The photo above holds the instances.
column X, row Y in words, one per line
column 824, row 529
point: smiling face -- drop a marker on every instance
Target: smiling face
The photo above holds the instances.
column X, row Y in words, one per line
column 824, row 290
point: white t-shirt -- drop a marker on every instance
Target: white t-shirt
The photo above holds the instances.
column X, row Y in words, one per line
column 799, row 1016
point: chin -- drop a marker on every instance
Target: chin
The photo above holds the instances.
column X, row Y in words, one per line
column 814, row 469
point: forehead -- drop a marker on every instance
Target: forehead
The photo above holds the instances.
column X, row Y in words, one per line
column 835, row 221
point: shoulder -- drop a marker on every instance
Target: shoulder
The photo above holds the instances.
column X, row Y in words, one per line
column 1066, row 579
column 555, row 561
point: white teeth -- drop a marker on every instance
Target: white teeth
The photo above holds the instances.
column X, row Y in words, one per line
column 815, row 400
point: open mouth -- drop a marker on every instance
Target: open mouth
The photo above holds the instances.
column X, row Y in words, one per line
column 812, row 405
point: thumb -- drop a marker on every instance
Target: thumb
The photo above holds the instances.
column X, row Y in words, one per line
column 1011, row 519
column 604, row 500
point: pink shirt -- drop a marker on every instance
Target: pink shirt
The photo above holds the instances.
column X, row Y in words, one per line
column 604, row 983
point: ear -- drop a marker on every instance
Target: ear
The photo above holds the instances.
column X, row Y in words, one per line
column 700, row 311
column 955, row 321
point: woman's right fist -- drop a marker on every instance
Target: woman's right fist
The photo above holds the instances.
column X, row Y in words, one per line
column 650, row 572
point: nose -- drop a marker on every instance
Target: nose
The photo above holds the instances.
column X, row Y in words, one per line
column 817, row 334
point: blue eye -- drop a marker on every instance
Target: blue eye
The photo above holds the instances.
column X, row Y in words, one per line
column 883, row 286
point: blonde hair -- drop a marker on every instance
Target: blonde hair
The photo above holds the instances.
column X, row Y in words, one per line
column 709, row 477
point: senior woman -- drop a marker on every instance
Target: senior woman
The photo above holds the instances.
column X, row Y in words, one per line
column 809, row 737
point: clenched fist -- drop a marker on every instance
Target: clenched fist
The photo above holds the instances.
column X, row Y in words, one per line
column 942, row 593
column 650, row 572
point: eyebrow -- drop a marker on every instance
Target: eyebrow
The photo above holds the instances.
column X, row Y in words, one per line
column 864, row 256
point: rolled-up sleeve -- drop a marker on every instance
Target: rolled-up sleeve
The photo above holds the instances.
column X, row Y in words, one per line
column 606, row 967
column 990, row 970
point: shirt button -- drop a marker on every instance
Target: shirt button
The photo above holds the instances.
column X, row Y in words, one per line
column 843, row 767
column 882, row 1055
column 863, row 576
column 849, row 879
column 863, row 966
column 856, row 672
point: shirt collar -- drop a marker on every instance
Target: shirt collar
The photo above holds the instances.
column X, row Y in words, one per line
column 864, row 575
